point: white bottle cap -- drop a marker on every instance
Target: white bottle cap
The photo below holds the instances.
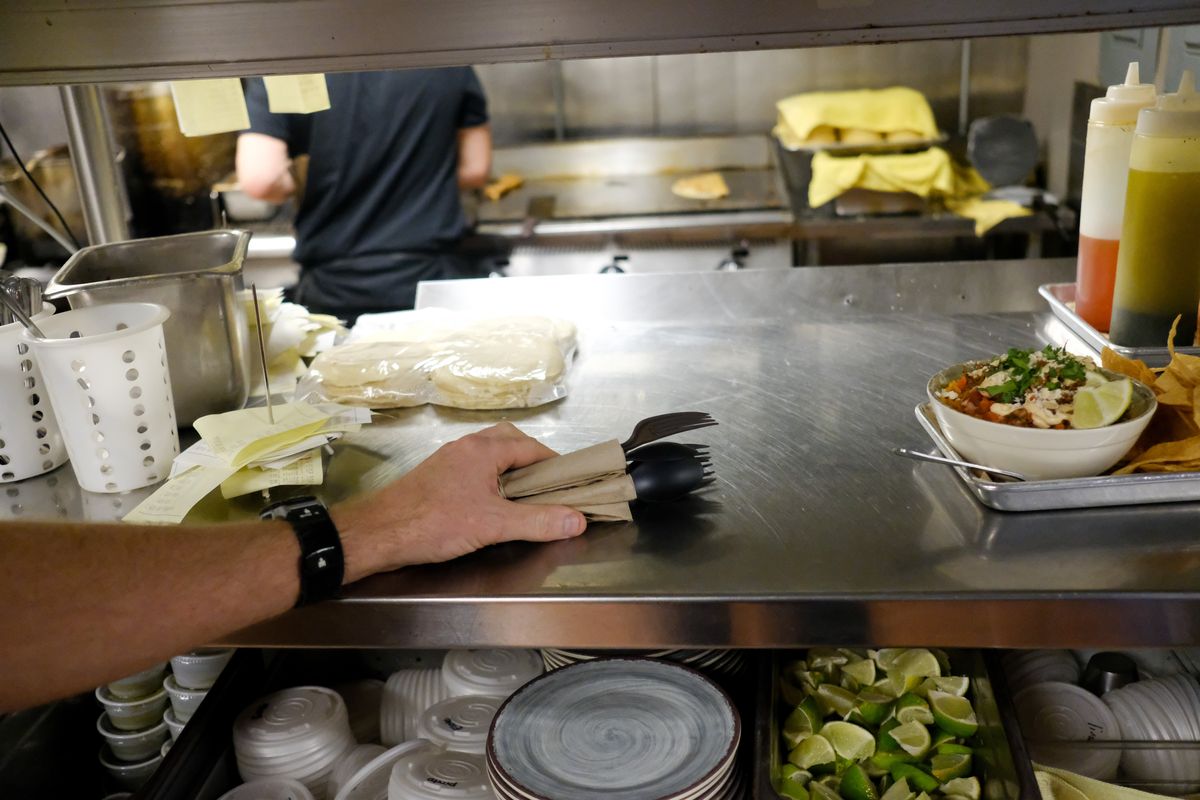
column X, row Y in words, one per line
column 1175, row 115
column 1122, row 102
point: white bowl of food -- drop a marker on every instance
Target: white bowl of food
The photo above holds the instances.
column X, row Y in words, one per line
column 129, row 775
column 142, row 684
column 1018, row 412
column 132, row 745
column 184, row 702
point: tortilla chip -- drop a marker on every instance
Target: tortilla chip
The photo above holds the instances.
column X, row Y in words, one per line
column 1110, row 359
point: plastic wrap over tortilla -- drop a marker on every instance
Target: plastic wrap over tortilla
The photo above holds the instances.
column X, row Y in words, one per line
column 447, row 358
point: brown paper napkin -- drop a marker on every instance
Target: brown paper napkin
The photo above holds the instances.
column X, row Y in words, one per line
column 592, row 480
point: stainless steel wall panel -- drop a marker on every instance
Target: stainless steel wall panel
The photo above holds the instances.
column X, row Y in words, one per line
column 608, row 96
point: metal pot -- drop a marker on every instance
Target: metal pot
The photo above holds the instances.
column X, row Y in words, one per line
column 52, row 169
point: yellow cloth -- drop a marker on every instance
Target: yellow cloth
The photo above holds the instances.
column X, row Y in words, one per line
column 929, row 173
column 884, row 110
column 1058, row 784
column 987, row 213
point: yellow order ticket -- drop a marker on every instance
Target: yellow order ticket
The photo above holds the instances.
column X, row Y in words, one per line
column 240, row 437
column 305, row 471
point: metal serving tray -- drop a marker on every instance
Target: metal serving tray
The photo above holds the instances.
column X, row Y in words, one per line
column 1061, row 297
column 1005, row 770
column 1102, row 490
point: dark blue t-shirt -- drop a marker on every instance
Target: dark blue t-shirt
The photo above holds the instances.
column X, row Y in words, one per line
column 383, row 162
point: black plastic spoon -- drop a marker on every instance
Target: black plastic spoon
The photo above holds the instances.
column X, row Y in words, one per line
column 662, row 481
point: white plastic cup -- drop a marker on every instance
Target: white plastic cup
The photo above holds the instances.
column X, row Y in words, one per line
column 141, row 684
column 130, row 776
column 30, row 440
column 133, row 715
column 106, row 371
column 174, row 724
column 199, row 669
column 184, row 702
column 132, row 746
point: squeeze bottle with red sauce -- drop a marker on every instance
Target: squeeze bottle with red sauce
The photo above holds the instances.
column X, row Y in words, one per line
column 1111, row 124
column 1158, row 266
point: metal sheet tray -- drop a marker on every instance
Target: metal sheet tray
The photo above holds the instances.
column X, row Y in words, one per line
column 1102, row 490
column 1005, row 770
column 1061, row 297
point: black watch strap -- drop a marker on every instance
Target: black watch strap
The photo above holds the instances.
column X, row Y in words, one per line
column 322, row 565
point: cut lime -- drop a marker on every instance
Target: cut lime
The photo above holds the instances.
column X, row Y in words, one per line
column 952, row 749
column 912, row 667
column 886, row 760
column 790, row 772
column 941, row 737
column 953, row 714
column 911, row 708
column 913, row 738
column 804, row 721
column 917, row 778
column 873, row 706
column 792, row 791
column 792, row 782
column 883, row 741
column 856, row 785
column 1098, row 406
column 886, row 657
column 898, row 791
column 834, row 700
column 886, row 686
column 863, row 672
column 948, row 767
column 952, row 684
column 822, row 658
column 815, row 751
column 849, row 740
column 822, row 791
column 963, row 787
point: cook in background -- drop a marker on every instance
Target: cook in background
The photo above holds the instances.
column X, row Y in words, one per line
column 381, row 209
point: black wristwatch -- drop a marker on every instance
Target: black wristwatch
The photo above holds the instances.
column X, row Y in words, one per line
column 322, row 565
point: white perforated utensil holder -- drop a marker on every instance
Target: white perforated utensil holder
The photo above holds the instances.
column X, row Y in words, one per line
column 30, row 442
column 106, row 371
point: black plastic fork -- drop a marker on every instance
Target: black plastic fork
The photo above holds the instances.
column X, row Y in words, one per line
column 654, row 428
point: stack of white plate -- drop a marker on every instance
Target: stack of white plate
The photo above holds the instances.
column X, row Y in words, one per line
column 493, row 673
column 1029, row 667
column 298, row 733
column 619, row 728
column 1163, row 710
column 364, row 700
column 405, row 697
column 435, row 774
column 713, row 662
column 1054, row 712
column 459, row 723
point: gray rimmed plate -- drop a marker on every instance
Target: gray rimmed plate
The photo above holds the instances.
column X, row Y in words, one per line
column 620, row 728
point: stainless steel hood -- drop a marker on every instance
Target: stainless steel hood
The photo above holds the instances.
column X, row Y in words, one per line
column 49, row 41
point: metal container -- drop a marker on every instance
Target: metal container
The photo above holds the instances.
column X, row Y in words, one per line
column 1004, row 769
column 198, row 276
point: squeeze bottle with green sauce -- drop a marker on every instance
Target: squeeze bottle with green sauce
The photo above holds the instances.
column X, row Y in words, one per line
column 1158, row 263
column 1111, row 124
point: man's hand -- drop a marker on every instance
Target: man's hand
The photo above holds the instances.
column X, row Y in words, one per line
column 450, row 505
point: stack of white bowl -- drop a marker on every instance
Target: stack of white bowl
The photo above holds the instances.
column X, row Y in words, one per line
column 132, row 726
column 493, row 673
column 405, row 697
column 299, row 733
column 1162, row 710
column 459, row 724
column 1068, row 727
column 1025, row 668
column 270, row 789
column 431, row 773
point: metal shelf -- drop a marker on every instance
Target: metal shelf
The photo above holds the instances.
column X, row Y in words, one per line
column 814, row 533
column 48, row 41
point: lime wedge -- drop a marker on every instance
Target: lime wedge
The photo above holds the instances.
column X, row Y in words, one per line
column 953, row 714
column 941, row 737
column 856, row 785
column 951, row 684
column 792, row 791
column 913, row 738
column 887, row 760
column 790, row 772
column 963, row 787
column 822, row 658
column 947, row 768
column 873, row 706
column 1098, row 406
column 792, row 782
column 886, row 686
column 834, row 699
column 886, row 657
column 952, row 748
column 914, row 666
column 822, row 791
column 911, row 708
column 916, row 777
column 849, row 740
column 898, row 791
column 815, row 751
column 883, row 741
column 804, row 721
column 863, row 672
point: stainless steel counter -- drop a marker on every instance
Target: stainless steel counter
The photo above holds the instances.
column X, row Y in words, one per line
column 814, row 532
